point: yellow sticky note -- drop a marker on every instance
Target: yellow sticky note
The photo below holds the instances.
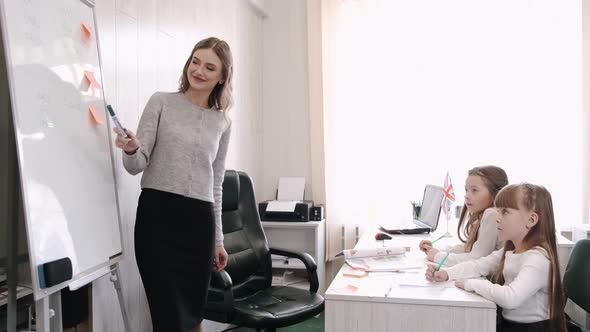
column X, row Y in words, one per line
column 91, row 80
column 87, row 30
column 94, row 115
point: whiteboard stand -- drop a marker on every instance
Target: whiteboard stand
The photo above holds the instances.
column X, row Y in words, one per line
column 48, row 309
column 11, row 262
column 48, row 313
column 13, row 205
column 116, row 280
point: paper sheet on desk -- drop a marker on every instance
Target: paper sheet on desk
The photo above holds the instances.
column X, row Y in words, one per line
column 384, row 264
column 372, row 252
column 419, row 280
column 281, row 206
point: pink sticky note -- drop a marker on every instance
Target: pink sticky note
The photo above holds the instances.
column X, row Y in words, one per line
column 91, row 79
column 94, row 115
column 87, row 30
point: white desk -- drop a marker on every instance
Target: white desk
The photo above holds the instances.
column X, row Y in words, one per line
column 408, row 308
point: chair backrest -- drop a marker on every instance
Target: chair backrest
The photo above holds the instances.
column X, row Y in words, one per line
column 576, row 280
column 249, row 263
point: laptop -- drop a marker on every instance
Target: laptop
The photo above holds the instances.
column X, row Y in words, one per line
column 429, row 214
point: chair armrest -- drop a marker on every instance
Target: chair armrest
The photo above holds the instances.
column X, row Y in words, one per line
column 221, row 280
column 220, row 296
column 307, row 260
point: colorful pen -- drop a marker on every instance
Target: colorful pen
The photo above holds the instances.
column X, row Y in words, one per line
column 440, row 264
column 432, row 242
column 116, row 121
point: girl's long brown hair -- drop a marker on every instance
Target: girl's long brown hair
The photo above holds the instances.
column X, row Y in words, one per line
column 221, row 97
column 494, row 178
column 536, row 199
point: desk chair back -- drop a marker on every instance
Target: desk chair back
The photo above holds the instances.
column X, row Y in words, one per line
column 576, row 280
column 249, row 263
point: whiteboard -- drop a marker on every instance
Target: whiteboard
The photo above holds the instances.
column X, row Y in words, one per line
column 64, row 150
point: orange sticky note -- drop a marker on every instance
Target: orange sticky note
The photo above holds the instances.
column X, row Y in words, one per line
column 348, row 289
column 94, row 115
column 91, row 79
column 355, row 273
column 87, row 30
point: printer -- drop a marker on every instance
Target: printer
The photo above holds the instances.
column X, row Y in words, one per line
column 289, row 204
column 285, row 211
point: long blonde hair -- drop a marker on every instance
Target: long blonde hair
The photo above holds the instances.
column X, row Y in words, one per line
column 494, row 178
column 536, row 199
column 221, row 97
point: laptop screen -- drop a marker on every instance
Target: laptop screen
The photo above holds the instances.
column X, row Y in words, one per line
column 431, row 206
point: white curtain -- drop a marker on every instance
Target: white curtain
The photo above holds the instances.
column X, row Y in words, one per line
column 413, row 89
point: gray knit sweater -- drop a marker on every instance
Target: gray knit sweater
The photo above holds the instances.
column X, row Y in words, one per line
column 182, row 151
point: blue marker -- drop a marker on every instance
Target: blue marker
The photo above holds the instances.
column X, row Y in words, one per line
column 116, row 121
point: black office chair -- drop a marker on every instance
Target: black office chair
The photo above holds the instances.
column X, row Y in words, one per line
column 575, row 281
column 242, row 294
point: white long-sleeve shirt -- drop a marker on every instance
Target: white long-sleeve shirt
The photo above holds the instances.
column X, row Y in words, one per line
column 487, row 242
column 524, row 297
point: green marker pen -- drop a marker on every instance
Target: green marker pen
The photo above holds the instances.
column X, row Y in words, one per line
column 116, row 121
column 432, row 242
column 440, row 264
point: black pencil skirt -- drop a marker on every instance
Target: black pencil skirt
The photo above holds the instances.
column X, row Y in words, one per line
column 174, row 248
column 509, row 326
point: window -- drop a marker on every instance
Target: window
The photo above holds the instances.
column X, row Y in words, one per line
column 413, row 89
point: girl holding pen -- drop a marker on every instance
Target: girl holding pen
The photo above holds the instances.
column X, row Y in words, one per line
column 526, row 282
column 181, row 147
column 477, row 223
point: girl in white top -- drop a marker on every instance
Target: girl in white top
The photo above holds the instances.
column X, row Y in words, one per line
column 526, row 281
column 477, row 223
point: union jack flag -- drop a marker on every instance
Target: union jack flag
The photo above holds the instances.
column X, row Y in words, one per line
column 449, row 197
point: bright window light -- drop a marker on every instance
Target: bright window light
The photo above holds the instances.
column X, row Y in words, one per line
column 419, row 88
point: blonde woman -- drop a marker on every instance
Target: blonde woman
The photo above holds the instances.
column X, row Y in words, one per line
column 181, row 146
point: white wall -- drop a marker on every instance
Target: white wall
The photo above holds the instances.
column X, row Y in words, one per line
column 285, row 115
column 293, row 119
column 144, row 45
